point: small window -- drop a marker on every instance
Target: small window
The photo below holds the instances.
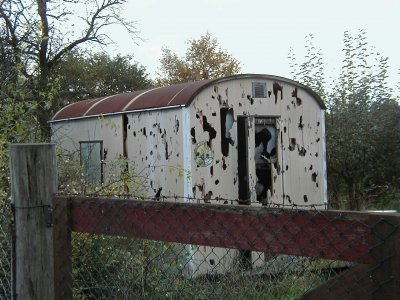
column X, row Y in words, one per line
column 91, row 160
column 259, row 89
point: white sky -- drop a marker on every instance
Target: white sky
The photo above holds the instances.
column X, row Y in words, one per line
column 260, row 33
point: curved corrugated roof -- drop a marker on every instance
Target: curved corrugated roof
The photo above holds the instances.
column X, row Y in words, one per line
column 163, row 97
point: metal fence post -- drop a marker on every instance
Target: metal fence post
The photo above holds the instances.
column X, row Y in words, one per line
column 33, row 183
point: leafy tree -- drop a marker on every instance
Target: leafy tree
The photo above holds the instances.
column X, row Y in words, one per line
column 363, row 133
column 311, row 72
column 204, row 59
column 37, row 35
column 88, row 75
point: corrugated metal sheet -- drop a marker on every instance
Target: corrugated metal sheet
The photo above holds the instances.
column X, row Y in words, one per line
column 169, row 96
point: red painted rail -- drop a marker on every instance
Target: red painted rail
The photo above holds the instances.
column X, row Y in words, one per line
column 325, row 234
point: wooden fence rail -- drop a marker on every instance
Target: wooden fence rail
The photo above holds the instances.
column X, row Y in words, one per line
column 369, row 239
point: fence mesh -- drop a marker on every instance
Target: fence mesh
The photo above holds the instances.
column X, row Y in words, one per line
column 122, row 249
column 5, row 248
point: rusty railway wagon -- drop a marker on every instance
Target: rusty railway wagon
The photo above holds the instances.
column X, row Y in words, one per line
column 245, row 139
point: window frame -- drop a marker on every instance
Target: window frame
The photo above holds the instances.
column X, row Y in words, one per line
column 85, row 168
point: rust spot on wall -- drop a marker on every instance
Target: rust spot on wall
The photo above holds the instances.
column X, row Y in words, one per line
column 134, row 133
column 223, row 164
column 211, row 131
column 158, row 194
column 276, row 87
column 216, row 182
column 166, row 151
column 301, row 125
column 176, row 125
column 269, row 94
column 250, row 99
column 314, row 177
column 193, row 134
column 317, row 140
column 305, row 198
column 302, row 150
column 144, row 131
column 292, row 144
column 298, row 100
column 212, row 171
column 207, row 197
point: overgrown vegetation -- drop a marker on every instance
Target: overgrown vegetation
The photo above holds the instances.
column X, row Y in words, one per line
column 121, row 268
column 43, row 68
column 362, row 121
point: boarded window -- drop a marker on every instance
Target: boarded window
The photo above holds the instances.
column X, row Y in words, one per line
column 259, row 89
column 91, row 160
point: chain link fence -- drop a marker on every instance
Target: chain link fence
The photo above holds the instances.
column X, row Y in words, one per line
column 130, row 249
column 5, row 248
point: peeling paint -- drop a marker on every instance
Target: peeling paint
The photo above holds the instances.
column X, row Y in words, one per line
column 276, row 87
column 298, row 99
column 211, row 131
column 292, row 144
column 302, row 151
column 219, row 123
column 314, row 177
column 250, row 99
column 226, row 119
column 223, row 164
column 193, row 134
column 301, row 125
column 158, row 194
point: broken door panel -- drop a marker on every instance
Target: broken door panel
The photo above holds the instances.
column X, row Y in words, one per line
column 265, row 156
column 251, row 167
